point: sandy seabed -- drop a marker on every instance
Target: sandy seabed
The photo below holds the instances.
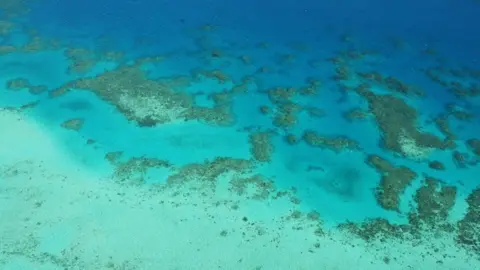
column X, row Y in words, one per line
column 58, row 214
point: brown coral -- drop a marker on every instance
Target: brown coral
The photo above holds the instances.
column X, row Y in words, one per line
column 394, row 181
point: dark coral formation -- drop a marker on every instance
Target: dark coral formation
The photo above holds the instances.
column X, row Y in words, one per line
column 18, row 84
column 134, row 169
column 356, row 114
column 207, row 173
column 436, row 165
column 113, row 157
column 29, row 105
column 261, row 146
column 474, row 145
column 469, row 226
column 394, row 181
column 461, row 83
column 398, row 120
column 284, row 120
column 280, row 95
column 442, row 124
column 434, row 201
column 337, row 144
column 264, row 188
column 286, row 115
column 9, row 10
column 220, row 114
column 391, row 83
column 376, row 229
column 23, row 107
column 286, row 110
column 311, row 89
column 264, row 109
column 74, row 124
column 62, row 90
column 83, row 60
column 459, row 113
column 22, row 83
column 150, row 102
column 459, row 159
column 145, row 101
column 291, row 139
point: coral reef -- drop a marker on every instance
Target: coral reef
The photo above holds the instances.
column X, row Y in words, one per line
column 469, row 227
column 264, row 109
column 82, row 60
column 148, row 101
column 460, row 159
column 434, row 201
column 459, row 82
column 114, row 157
column 132, row 171
column 264, row 188
column 261, row 146
column 286, row 115
column 73, row 124
column 355, row 114
column 291, row 139
column 284, row 120
column 442, row 124
column 397, row 121
column 23, row 83
column 279, row 95
column 286, row 110
column 337, row 144
column 474, row 145
column 311, row 89
column 394, row 181
column 459, row 113
column 436, row 165
column 18, row 84
column 391, row 83
column 411, row 150
column 205, row 174
column 374, row 229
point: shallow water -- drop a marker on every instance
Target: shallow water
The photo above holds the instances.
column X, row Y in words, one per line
column 286, row 135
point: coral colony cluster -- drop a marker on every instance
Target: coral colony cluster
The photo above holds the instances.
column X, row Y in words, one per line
column 411, row 153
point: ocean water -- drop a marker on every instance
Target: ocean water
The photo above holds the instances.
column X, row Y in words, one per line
column 253, row 135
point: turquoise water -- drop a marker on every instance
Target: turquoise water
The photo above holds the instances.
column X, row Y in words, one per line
column 223, row 135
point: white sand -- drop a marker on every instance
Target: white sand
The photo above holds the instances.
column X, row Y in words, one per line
column 56, row 214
